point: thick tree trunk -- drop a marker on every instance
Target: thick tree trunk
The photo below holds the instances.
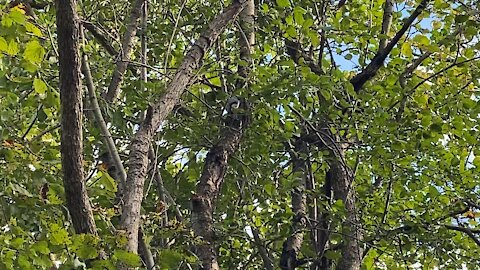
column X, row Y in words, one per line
column 208, row 188
column 352, row 248
column 138, row 159
column 68, row 33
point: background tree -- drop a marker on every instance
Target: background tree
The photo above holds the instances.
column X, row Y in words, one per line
column 353, row 145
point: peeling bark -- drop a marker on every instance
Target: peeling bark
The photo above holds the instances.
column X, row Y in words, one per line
column 208, row 188
column 68, row 32
column 138, row 159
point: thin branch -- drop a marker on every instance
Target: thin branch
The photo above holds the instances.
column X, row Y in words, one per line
column 465, row 230
column 377, row 62
column 386, row 23
column 267, row 260
column 45, row 132
column 443, row 70
column 100, row 36
column 107, row 137
column 127, row 48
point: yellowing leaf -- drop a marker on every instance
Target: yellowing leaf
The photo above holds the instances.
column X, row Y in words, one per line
column 19, row 8
column 3, row 44
column 39, row 86
column 12, row 48
column 30, row 27
column 34, row 52
column 421, row 39
column 407, row 50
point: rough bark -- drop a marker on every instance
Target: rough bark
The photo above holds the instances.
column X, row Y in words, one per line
column 352, row 248
column 291, row 247
column 138, row 159
column 216, row 162
column 126, row 50
column 68, row 33
column 208, row 188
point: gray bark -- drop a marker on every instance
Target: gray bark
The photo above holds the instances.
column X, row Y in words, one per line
column 138, row 159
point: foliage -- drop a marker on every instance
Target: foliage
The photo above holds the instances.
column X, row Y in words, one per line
column 413, row 143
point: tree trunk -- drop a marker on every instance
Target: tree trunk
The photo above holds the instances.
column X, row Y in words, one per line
column 68, row 33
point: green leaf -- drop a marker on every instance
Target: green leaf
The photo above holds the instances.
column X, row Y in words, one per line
column 108, row 182
column 407, row 49
column 283, row 3
column 3, row 45
column 421, row 39
column 39, row 86
column 269, row 188
column 128, row 258
column 41, row 247
column 298, row 15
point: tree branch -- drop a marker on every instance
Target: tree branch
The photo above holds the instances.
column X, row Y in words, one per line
column 216, row 162
column 138, row 159
column 126, row 50
column 465, row 230
column 377, row 62
column 386, row 23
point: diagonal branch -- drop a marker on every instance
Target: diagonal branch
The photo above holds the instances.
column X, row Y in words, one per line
column 386, row 23
column 138, row 159
column 124, row 56
column 216, row 162
column 468, row 231
column 377, row 62
column 100, row 36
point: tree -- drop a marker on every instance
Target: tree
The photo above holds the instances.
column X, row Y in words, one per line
column 239, row 134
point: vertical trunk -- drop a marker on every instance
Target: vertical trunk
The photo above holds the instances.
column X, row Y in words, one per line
column 208, row 188
column 352, row 248
column 340, row 177
column 76, row 195
column 291, row 247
